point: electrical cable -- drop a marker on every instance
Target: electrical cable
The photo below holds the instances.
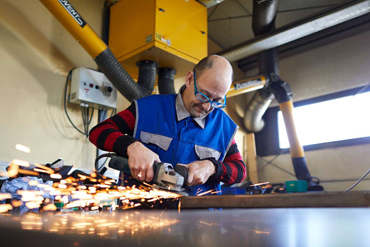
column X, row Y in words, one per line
column 108, row 155
column 105, row 114
column 355, row 184
column 65, row 102
column 83, row 118
column 91, row 116
column 102, row 115
column 87, row 120
column 282, row 169
column 85, row 111
column 114, row 111
column 276, row 156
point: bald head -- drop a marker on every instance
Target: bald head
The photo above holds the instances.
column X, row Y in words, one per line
column 213, row 62
column 213, row 76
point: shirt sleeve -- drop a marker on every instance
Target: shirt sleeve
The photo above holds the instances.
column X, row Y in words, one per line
column 232, row 169
column 115, row 134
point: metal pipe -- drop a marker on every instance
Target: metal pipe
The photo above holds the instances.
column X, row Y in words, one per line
column 246, row 85
column 296, row 149
column 263, row 22
column 255, row 110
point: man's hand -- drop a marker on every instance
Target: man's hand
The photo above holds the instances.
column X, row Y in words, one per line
column 200, row 171
column 140, row 161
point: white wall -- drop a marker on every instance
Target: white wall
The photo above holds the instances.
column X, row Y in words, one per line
column 36, row 53
column 338, row 66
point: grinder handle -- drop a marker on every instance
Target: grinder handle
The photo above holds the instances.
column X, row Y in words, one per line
column 183, row 171
column 121, row 164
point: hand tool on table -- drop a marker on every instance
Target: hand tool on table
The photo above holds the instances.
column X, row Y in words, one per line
column 166, row 176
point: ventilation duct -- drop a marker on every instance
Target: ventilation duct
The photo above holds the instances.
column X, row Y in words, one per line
column 300, row 29
column 264, row 13
column 250, row 62
column 166, row 80
column 114, row 71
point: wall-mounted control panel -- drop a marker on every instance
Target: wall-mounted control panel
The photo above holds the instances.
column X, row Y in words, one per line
column 93, row 88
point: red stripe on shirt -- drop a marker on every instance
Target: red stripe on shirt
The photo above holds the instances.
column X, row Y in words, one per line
column 128, row 117
column 111, row 139
column 234, row 173
column 97, row 131
column 234, row 157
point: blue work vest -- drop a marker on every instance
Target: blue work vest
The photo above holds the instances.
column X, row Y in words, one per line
column 183, row 141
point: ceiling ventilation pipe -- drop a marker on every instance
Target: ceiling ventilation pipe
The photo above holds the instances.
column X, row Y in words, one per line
column 104, row 58
column 264, row 14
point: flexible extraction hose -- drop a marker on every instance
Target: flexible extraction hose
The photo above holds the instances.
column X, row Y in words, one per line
column 98, row 50
column 114, row 71
column 264, row 13
column 256, row 108
column 166, row 80
column 147, row 76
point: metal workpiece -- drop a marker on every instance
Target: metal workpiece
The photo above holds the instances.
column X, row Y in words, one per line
column 314, row 199
column 238, row 227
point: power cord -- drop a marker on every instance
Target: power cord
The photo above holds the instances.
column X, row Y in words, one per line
column 97, row 168
column 269, row 162
column 114, row 112
column 86, row 117
column 276, row 156
column 65, row 102
column 355, row 184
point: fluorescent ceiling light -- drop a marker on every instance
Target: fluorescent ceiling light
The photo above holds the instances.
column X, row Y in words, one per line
column 299, row 31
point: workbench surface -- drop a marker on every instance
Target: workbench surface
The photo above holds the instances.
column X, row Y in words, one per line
column 229, row 227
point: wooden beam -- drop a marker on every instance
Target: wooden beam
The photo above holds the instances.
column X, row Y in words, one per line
column 251, row 158
column 288, row 200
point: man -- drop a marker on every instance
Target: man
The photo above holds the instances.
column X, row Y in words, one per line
column 188, row 129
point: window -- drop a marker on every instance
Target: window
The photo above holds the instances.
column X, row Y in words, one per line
column 328, row 121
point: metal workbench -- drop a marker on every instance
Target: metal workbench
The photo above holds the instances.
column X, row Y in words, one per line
column 229, row 227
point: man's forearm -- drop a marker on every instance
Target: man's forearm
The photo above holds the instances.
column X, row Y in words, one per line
column 232, row 169
column 115, row 134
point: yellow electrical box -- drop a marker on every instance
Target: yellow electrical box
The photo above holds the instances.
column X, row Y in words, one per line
column 171, row 32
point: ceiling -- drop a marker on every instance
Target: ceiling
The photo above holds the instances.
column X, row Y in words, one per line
column 230, row 22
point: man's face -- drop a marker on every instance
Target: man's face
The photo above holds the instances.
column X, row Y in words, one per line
column 213, row 84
